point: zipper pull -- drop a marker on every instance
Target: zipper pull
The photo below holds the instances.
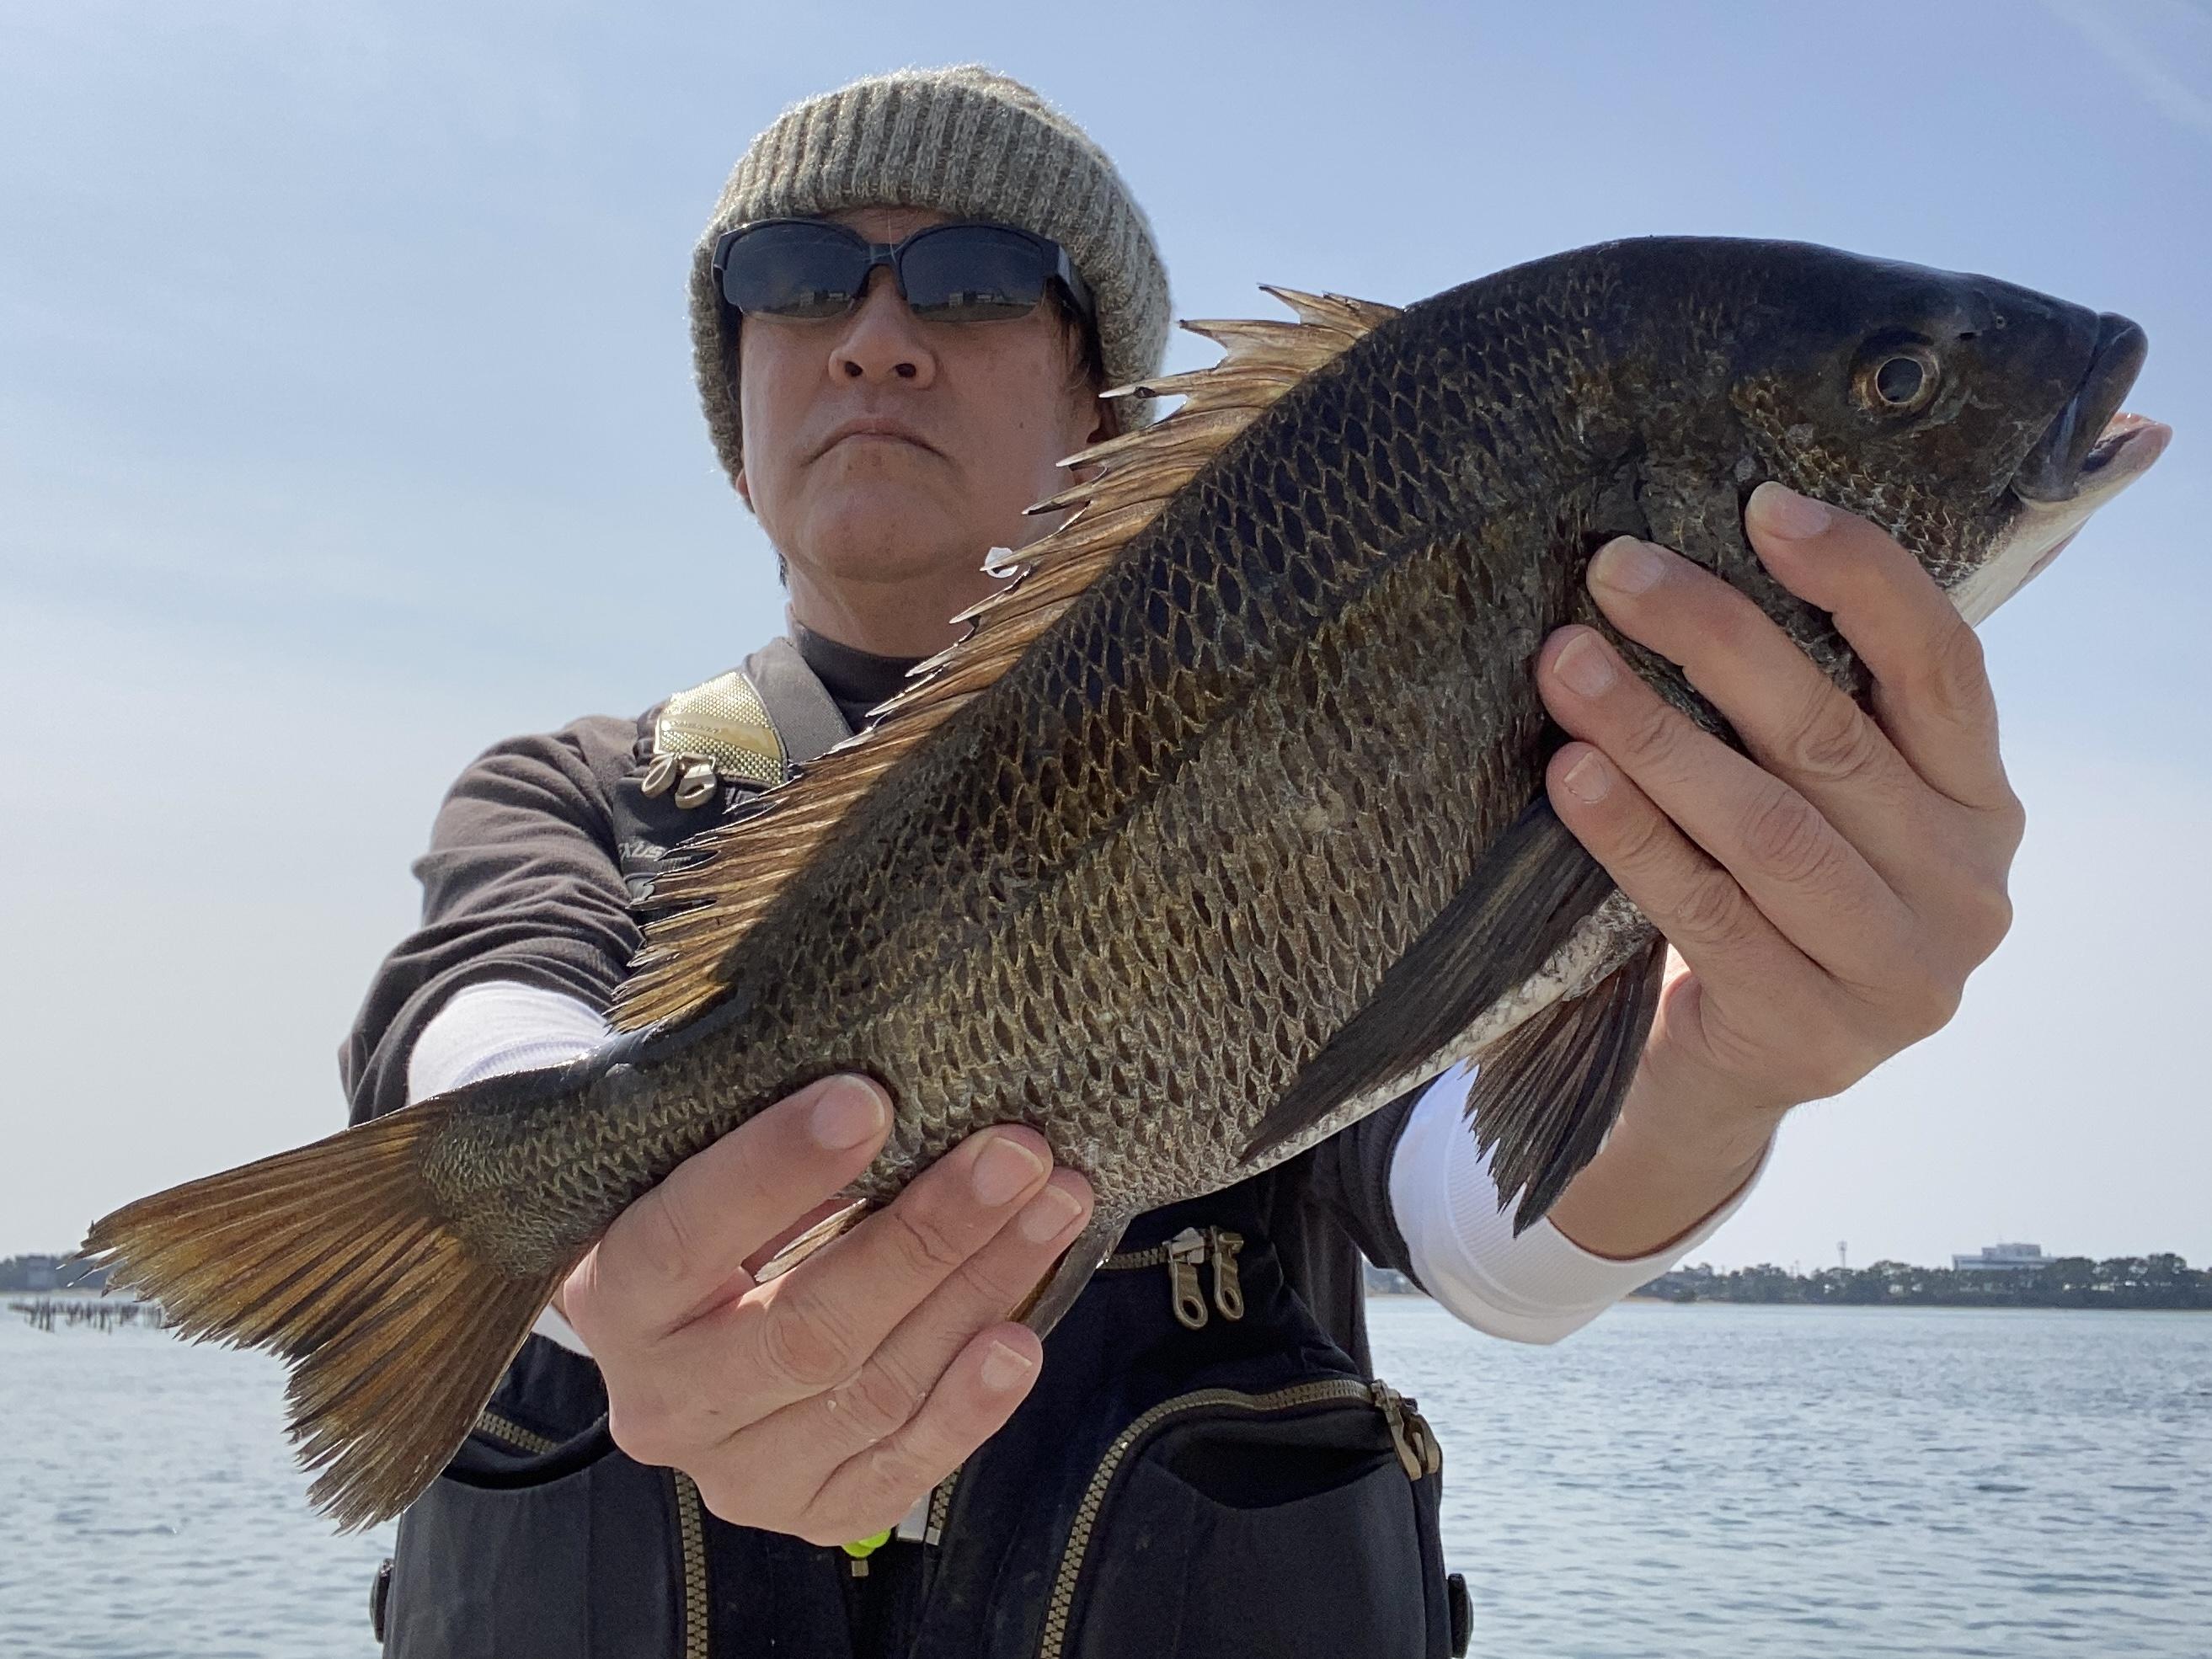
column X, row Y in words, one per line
column 1228, row 1293
column 1186, row 1250
column 1388, row 1401
column 861, row 1549
column 1424, row 1437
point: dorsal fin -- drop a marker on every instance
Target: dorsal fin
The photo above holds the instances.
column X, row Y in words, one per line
column 736, row 868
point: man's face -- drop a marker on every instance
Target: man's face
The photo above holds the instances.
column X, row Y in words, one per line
column 972, row 417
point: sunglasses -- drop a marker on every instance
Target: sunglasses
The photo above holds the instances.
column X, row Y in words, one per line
column 808, row 270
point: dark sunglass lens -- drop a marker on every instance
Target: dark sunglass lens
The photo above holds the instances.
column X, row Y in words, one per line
column 973, row 274
column 793, row 271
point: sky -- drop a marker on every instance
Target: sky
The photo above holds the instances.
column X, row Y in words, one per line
column 346, row 426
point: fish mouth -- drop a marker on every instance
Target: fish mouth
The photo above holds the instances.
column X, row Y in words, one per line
column 2085, row 437
column 2092, row 450
column 2124, row 450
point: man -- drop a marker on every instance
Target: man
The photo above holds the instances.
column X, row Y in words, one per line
column 1828, row 895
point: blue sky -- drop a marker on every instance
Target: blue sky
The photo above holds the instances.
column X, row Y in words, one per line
column 346, row 426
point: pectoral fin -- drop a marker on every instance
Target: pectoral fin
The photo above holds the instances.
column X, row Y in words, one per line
column 1549, row 1089
column 1524, row 899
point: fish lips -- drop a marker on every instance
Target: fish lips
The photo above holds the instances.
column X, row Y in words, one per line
column 2091, row 451
column 2053, row 471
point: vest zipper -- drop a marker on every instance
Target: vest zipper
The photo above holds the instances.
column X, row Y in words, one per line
column 691, row 1535
column 1380, row 1395
column 690, row 1526
column 1184, row 1255
column 1419, row 1451
column 940, row 1505
column 489, row 1422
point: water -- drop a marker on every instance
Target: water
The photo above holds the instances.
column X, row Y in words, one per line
column 1671, row 1481
column 1702, row 1480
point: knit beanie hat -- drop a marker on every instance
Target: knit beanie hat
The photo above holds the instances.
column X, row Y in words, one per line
column 966, row 143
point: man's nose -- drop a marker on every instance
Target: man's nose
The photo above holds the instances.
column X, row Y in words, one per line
column 881, row 340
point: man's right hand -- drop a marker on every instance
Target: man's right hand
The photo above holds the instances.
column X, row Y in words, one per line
column 827, row 1402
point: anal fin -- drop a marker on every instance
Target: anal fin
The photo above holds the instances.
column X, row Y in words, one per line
column 1548, row 1091
column 1045, row 1306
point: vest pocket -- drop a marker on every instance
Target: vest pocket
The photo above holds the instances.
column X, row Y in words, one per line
column 579, row 1565
column 1224, row 1525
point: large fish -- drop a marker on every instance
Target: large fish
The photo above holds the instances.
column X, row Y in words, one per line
column 1225, row 824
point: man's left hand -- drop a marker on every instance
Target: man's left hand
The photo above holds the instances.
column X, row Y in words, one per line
column 1829, row 892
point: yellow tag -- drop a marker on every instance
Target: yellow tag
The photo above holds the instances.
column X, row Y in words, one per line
column 861, row 1549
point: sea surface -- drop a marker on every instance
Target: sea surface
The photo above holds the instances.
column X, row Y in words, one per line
column 1692, row 1480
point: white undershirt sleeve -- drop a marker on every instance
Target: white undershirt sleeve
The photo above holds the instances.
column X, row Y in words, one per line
column 1536, row 1288
column 494, row 1027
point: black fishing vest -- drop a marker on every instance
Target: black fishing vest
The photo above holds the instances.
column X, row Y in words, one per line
column 1200, row 1472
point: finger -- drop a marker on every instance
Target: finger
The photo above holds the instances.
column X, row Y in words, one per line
column 979, row 1391
column 814, row 1327
column 1793, row 719
column 1753, row 1015
column 1931, row 691
column 1702, row 909
column 1769, row 843
column 884, row 1395
column 675, row 1251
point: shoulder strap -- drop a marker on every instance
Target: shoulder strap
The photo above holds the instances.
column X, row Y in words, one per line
column 750, row 726
column 799, row 706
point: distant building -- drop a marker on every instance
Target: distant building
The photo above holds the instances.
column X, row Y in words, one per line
column 29, row 1273
column 48, row 1272
column 2003, row 1258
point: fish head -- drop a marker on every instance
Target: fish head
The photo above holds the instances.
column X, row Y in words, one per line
column 1978, row 422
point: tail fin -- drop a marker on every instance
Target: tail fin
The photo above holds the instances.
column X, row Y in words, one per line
column 335, row 1257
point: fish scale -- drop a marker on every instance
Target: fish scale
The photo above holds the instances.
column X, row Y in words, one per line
column 1225, row 824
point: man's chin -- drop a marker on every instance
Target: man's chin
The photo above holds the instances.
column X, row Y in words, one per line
column 876, row 536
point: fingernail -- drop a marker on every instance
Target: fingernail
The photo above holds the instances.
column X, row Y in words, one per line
column 1003, row 1167
column 1782, row 512
column 1585, row 664
column 1627, row 566
column 1049, row 1215
column 850, row 1112
column 1589, row 778
column 1004, row 1368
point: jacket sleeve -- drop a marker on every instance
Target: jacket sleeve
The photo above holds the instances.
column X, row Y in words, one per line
column 521, row 883
column 1352, row 1179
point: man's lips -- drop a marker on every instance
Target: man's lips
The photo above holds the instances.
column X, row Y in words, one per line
column 875, row 428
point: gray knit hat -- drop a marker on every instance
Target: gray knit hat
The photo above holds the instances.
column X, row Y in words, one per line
column 964, row 141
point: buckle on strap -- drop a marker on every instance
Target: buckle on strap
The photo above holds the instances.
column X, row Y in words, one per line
column 716, row 732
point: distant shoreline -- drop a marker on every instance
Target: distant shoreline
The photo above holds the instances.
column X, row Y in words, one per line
column 1641, row 1297
column 2163, row 1283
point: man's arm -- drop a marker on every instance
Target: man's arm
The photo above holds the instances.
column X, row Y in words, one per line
column 519, row 883
column 1827, row 893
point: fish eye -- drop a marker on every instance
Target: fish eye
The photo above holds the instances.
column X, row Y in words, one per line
column 1898, row 379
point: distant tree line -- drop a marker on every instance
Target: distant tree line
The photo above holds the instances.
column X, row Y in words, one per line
column 2068, row 1282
